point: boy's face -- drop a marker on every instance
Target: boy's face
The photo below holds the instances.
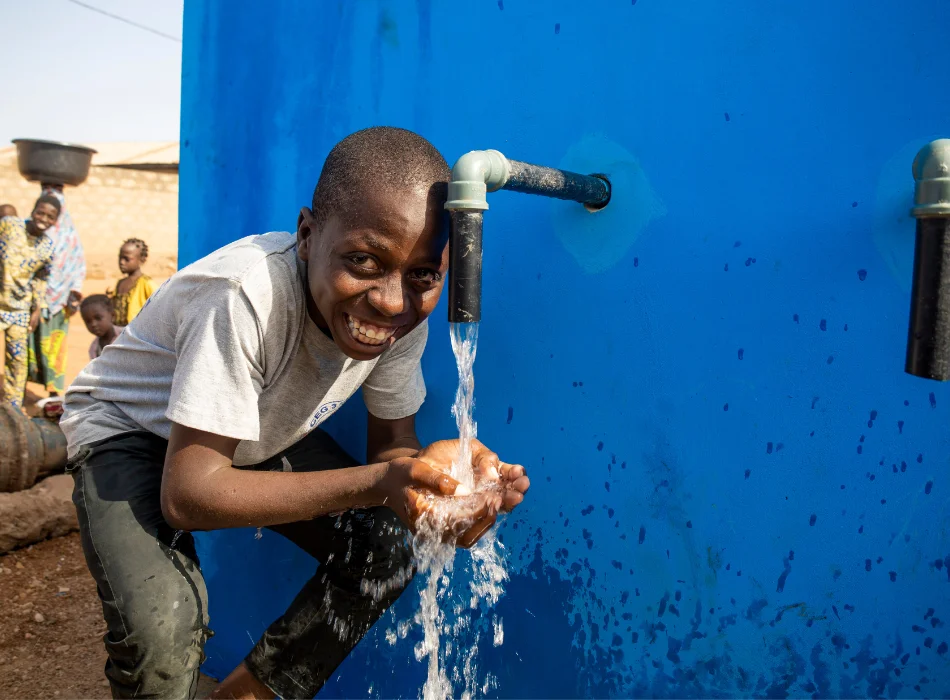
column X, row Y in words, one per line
column 44, row 215
column 129, row 259
column 98, row 320
column 376, row 276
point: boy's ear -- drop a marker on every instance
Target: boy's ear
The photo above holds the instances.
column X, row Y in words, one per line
column 304, row 232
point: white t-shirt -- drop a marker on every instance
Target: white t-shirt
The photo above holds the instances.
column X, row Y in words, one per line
column 226, row 346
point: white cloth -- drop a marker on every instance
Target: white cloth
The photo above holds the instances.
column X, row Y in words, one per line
column 226, row 346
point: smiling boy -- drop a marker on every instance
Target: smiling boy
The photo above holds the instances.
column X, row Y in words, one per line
column 26, row 254
column 204, row 414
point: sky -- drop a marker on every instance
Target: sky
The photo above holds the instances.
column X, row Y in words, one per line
column 71, row 74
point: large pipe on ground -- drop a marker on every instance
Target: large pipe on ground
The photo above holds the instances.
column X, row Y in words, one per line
column 30, row 448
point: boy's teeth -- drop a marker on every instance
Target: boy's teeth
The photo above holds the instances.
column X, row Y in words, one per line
column 365, row 333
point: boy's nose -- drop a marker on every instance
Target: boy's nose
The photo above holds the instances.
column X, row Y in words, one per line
column 388, row 296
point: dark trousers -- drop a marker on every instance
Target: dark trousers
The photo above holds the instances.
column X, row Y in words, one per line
column 153, row 594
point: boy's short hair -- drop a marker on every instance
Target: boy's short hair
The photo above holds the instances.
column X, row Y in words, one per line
column 94, row 300
column 49, row 199
column 379, row 158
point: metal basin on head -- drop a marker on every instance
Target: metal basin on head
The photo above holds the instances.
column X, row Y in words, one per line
column 53, row 162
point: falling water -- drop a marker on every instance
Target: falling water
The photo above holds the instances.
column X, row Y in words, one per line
column 450, row 633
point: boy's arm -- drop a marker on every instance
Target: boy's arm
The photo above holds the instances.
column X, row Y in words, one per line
column 389, row 439
column 201, row 490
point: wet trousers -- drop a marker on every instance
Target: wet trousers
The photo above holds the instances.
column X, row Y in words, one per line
column 153, row 594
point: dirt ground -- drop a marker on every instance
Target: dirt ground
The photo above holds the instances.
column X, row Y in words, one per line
column 51, row 627
column 51, row 623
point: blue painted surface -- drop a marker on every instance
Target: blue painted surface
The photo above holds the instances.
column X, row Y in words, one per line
column 736, row 489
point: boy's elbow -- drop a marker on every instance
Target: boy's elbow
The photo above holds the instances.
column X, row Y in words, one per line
column 177, row 514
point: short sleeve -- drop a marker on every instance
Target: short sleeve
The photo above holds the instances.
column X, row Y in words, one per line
column 395, row 388
column 218, row 377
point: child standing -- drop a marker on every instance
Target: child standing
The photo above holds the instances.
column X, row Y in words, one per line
column 133, row 290
column 47, row 344
column 26, row 253
column 96, row 311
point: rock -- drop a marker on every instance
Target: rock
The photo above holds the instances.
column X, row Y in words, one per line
column 46, row 510
column 38, row 617
column 19, row 565
column 61, row 648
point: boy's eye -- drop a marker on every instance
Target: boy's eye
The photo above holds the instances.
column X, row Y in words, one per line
column 363, row 261
column 426, row 276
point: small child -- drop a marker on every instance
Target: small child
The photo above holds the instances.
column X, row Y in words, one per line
column 96, row 311
column 7, row 210
column 133, row 290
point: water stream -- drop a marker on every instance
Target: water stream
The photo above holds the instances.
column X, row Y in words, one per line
column 451, row 634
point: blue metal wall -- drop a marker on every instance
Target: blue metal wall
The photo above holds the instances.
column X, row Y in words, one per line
column 736, row 490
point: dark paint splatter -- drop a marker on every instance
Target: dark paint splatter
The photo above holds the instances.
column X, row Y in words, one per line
column 928, row 487
column 795, row 318
column 768, row 448
column 643, row 534
column 814, row 400
column 903, row 466
column 893, row 575
column 900, row 427
column 636, row 262
column 600, row 446
column 933, row 400
column 862, row 274
column 511, row 413
column 501, row 5
column 861, row 530
column 725, row 407
column 749, row 261
column 737, row 244
column 748, row 472
column 831, row 358
column 725, row 267
column 726, row 115
column 588, row 510
column 689, row 524
column 920, row 459
column 557, row 28
column 813, row 519
column 741, row 353
column 783, row 577
column 867, row 564
column 823, row 325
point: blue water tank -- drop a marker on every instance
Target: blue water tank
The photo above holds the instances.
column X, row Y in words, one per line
column 736, row 489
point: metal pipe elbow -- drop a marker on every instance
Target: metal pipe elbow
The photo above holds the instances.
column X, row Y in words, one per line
column 474, row 175
column 932, row 180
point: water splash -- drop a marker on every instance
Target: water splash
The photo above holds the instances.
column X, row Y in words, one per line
column 445, row 611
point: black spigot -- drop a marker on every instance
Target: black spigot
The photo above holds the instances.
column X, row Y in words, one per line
column 477, row 173
column 928, row 340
